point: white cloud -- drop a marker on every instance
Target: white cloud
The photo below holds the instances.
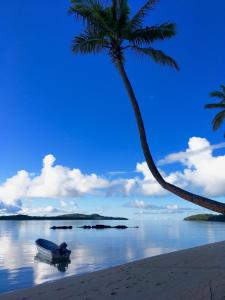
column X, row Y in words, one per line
column 148, row 208
column 204, row 170
column 10, row 208
column 41, row 210
column 140, row 204
column 15, row 187
column 68, row 205
column 122, row 187
column 182, row 155
column 176, row 209
column 63, row 203
column 200, row 171
column 54, row 181
column 149, row 186
column 64, row 207
column 60, row 181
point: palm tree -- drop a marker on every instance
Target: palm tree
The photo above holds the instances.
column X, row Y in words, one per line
column 220, row 116
column 112, row 29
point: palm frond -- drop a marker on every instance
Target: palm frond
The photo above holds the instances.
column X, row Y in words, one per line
column 138, row 18
column 218, row 94
column 119, row 8
column 153, row 33
column 124, row 14
column 157, row 55
column 120, row 15
column 109, row 26
column 92, row 12
column 218, row 120
column 83, row 8
column 88, row 42
column 215, row 105
column 223, row 88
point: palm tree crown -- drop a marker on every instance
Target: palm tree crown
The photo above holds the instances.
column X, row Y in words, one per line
column 220, row 116
column 111, row 28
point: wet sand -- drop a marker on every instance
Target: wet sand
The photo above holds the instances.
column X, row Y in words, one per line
column 196, row 273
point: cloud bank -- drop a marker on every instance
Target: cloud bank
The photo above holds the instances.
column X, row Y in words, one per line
column 182, row 155
column 200, row 171
column 54, row 181
column 148, row 208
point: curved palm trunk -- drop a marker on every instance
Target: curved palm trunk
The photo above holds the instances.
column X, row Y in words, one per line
column 196, row 199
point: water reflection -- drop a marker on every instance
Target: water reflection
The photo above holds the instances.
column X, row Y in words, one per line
column 62, row 266
column 18, row 279
column 91, row 249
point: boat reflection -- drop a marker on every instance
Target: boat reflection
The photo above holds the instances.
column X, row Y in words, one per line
column 62, row 266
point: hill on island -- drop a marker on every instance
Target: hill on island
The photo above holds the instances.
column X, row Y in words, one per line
column 206, row 217
column 60, row 217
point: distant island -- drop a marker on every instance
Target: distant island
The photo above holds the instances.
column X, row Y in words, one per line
column 60, row 217
column 206, row 217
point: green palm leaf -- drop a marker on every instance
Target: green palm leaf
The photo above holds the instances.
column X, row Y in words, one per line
column 223, row 88
column 84, row 8
column 157, row 55
column 120, row 9
column 137, row 20
column 218, row 120
column 218, row 94
column 93, row 13
column 153, row 33
column 215, row 105
column 88, row 43
column 120, row 13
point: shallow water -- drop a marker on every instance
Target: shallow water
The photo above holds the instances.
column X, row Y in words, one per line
column 92, row 249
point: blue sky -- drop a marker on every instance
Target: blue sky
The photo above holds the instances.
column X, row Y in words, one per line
column 76, row 107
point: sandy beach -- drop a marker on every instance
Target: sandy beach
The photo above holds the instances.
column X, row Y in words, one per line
column 196, row 273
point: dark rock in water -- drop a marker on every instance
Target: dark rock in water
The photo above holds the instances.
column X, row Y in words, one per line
column 61, row 227
column 100, row 226
column 121, row 227
column 86, row 227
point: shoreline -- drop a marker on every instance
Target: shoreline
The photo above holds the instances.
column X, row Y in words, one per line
column 194, row 273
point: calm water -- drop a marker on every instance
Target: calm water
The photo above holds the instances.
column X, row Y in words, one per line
column 91, row 249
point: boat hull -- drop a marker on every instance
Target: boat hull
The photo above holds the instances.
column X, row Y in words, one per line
column 53, row 252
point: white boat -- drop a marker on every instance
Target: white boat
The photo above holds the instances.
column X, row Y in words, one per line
column 52, row 251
